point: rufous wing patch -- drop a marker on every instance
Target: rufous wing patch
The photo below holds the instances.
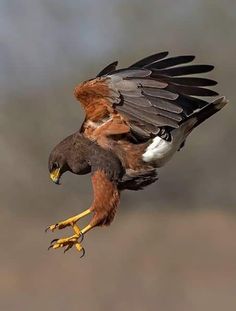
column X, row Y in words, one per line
column 101, row 120
column 93, row 98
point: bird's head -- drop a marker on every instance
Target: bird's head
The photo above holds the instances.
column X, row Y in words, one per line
column 57, row 165
column 69, row 155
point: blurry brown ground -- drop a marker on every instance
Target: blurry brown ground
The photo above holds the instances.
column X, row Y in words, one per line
column 171, row 246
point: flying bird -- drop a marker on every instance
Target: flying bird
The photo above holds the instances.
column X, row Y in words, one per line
column 136, row 118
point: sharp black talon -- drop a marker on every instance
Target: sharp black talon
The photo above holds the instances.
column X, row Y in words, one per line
column 83, row 252
column 50, row 246
column 54, row 240
column 81, row 237
column 67, row 248
column 56, row 226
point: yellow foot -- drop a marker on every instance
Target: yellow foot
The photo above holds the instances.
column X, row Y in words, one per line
column 68, row 243
column 69, row 222
column 74, row 240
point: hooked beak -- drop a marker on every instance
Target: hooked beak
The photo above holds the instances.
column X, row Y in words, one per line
column 55, row 176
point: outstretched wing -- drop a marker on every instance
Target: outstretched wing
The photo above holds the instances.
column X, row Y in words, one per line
column 153, row 94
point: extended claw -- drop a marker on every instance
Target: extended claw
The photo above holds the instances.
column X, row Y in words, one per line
column 68, row 243
column 51, row 227
column 83, row 252
column 54, row 240
column 81, row 237
column 80, row 248
column 68, row 247
column 50, row 246
column 52, row 243
column 46, row 229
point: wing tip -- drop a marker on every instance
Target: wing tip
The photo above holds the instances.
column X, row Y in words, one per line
column 149, row 59
column 109, row 68
column 219, row 103
column 211, row 67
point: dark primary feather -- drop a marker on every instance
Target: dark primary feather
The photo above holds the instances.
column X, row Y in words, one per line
column 184, row 70
column 191, row 90
column 190, row 104
column 171, row 61
column 149, row 60
column 111, row 67
column 191, row 81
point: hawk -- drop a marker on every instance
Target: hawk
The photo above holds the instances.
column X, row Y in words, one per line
column 136, row 118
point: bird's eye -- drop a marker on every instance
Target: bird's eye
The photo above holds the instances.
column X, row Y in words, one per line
column 55, row 165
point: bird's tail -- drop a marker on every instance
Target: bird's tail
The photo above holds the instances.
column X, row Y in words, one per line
column 206, row 112
column 198, row 117
column 203, row 114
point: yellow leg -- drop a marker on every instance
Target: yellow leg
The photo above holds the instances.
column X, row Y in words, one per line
column 68, row 222
column 86, row 229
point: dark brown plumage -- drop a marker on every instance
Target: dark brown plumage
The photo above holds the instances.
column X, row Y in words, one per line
column 136, row 119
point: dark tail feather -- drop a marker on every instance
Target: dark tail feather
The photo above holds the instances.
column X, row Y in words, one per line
column 209, row 110
column 200, row 116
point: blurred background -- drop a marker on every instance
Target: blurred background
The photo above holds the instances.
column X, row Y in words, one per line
column 171, row 246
